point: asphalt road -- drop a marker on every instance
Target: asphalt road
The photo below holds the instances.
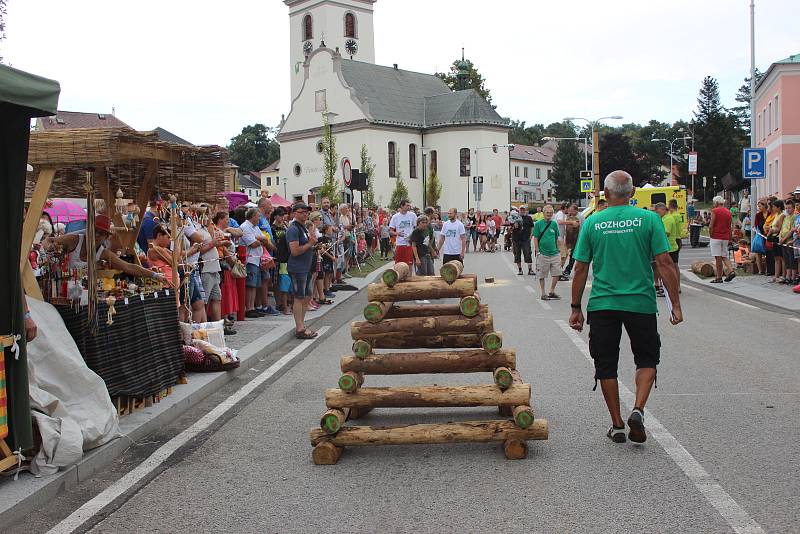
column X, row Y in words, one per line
column 725, row 459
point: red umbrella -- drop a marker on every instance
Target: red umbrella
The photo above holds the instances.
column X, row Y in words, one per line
column 278, row 200
column 63, row 211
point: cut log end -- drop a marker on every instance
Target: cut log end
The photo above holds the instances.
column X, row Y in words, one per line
column 523, row 416
column 374, row 312
column 399, row 272
column 326, row 453
column 492, row 342
column 332, row 421
column 470, row 305
column 515, row 449
column 350, row 381
column 361, row 349
column 503, row 378
column 451, row 270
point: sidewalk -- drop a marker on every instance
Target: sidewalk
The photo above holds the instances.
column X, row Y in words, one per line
column 28, row 493
column 752, row 289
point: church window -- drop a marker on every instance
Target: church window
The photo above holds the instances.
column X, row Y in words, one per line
column 412, row 160
column 392, row 160
column 526, row 171
column 516, row 171
column 434, row 163
column 464, row 162
column 308, row 28
column 350, row 25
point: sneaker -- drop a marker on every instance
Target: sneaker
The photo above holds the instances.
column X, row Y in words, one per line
column 553, row 296
column 347, row 275
column 563, row 278
column 617, row 435
column 269, row 310
column 636, row 425
column 530, row 272
column 545, row 297
column 329, row 294
column 730, row 276
column 716, row 281
column 520, row 272
column 229, row 331
column 253, row 314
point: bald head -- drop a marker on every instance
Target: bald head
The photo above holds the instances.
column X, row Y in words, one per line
column 618, row 185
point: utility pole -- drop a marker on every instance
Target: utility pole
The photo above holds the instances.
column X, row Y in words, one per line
column 596, row 161
column 753, row 195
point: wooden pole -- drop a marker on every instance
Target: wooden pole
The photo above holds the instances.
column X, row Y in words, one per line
column 462, row 432
column 515, row 449
column 424, row 326
column 404, row 341
column 398, row 273
column 404, row 311
column 451, row 270
column 429, row 396
column 326, row 453
column 427, row 288
column 403, row 363
column 29, row 227
column 375, row 312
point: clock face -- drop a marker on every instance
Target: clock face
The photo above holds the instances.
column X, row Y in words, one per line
column 308, row 47
column 351, row 46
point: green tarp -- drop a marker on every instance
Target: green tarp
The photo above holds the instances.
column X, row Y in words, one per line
column 36, row 95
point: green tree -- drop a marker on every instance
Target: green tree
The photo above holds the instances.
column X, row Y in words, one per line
column 434, row 188
column 742, row 111
column 560, row 129
column 330, row 186
column 521, row 134
column 254, row 148
column 3, row 13
column 475, row 81
column 616, row 154
column 368, row 168
column 567, row 165
column 400, row 191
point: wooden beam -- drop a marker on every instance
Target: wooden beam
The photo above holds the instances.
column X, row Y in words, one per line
column 29, row 282
column 137, row 151
column 429, row 396
column 401, row 363
column 31, row 223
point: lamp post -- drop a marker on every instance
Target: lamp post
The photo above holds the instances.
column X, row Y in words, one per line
column 329, row 116
column 595, row 146
column 585, row 147
column 671, row 148
column 753, row 188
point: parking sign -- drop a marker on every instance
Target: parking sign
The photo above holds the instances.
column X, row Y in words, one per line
column 754, row 163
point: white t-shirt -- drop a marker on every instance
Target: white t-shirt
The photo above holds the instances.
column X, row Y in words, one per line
column 452, row 232
column 744, row 205
column 560, row 217
column 189, row 230
column 403, row 225
column 250, row 234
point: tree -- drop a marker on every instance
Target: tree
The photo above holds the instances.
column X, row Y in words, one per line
column 475, row 80
column 434, row 188
column 254, row 148
column 742, row 111
column 400, row 192
column 708, row 105
column 521, row 134
column 616, row 154
column 368, row 168
column 330, row 187
column 560, row 129
column 567, row 166
column 3, row 13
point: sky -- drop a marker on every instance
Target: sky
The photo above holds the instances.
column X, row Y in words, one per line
column 204, row 69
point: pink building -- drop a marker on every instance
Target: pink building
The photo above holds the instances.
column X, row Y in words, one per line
column 777, row 126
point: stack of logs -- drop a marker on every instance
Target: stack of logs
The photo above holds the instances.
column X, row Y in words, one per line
column 466, row 325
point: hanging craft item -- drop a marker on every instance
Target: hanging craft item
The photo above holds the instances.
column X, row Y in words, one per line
column 110, row 301
column 131, row 218
column 121, row 204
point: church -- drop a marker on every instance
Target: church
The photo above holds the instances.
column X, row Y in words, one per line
column 411, row 123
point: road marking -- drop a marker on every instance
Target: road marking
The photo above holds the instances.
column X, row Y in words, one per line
column 542, row 303
column 118, row 488
column 691, row 288
column 740, row 303
column 739, row 520
column 795, row 319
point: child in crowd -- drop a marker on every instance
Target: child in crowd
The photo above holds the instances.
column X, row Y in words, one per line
column 421, row 247
column 742, row 254
column 386, row 246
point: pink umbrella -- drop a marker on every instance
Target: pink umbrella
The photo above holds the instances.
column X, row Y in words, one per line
column 278, row 200
column 63, row 211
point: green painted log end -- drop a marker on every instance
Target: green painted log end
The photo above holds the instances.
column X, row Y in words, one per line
column 347, row 383
column 389, row 277
column 524, row 418
column 470, row 306
column 361, row 349
column 330, row 424
column 492, row 342
column 503, row 378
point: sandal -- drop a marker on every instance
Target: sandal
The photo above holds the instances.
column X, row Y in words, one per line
column 305, row 334
column 716, row 281
column 324, row 302
column 553, row 296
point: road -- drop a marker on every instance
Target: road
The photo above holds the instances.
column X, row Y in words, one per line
column 723, row 457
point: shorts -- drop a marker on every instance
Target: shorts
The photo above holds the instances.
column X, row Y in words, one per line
column 789, row 260
column 369, row 238
column 719, row 248
column 327, row 267
column 301, row 284
column 605, row 332
column 450, row 257
column 548, row 265
column 521, row 250
column 211, row 286
column 196, row 288
column 284, row 283
column 674, row 256
column 404, row 253
column 253, row 276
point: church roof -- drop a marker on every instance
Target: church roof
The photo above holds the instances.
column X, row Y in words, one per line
column 405, row 98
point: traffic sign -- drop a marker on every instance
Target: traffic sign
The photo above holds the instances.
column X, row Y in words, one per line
column 754, row 163
column 347, row 174
column 586, row 175
column 586, row 186
column 477, row 179
column 692, row 162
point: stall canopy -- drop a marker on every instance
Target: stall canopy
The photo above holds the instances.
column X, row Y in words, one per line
column 22, row 97
column 278, row 200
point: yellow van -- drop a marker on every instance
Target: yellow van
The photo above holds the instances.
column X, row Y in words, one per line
column 648, row 196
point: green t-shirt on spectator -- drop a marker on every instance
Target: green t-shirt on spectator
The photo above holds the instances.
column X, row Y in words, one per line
column 620, row 242
column 547, row 243
column 673, row 231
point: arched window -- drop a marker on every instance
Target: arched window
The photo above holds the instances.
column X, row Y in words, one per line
column 350, row 25
column 464, row 162
column 434, row 163
column 412, row 160
column 308, row 28
column 392, row 160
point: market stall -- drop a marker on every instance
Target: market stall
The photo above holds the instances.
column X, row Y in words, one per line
column 22, row 97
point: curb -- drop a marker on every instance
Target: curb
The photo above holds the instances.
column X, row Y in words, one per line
column 695, row 281
column 24, row 496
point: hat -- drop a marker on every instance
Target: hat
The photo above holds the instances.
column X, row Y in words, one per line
column 301, row 206
column 796, row 190
column 102, row 222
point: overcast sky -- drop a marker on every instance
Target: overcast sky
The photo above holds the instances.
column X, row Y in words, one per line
column 203, row 69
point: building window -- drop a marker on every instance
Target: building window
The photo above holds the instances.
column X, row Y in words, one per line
column 769, row 118
column 777, row 186
column 525, row 171
column 777, row 113
column 297, row 169
column 392, row 160
column 308, row 28
column 463, row 162
column 549, row 173
column 412, row 160
column 538, row 174
column 350, row 25
column 516, row 171
column 434, row 163
column 277, row 180
column 268, row 179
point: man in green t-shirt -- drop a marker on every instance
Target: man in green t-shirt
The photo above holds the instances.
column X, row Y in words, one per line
column 672, row 228
column 548, row 257
column 620, row 243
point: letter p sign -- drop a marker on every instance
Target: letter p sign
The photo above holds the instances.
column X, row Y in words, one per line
column 754, row 163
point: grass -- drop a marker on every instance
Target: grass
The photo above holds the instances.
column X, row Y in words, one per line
column 373, row 264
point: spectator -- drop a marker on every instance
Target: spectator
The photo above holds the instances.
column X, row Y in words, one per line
column 192, row 245
column 301, row 246
column 548, row 262
column 400, row 226
column 147, row 226
column 160, row 256
column 720, row 231
column 386, row 245
column 672, row 231
column 773, row 226
column 572, row 226
column 210, row 270
column 471, row 226
column 744, row 205
column 253, row 239
column 786, row 237
column 420, row 241
column 521, row 240
column 283, row 287
column 453, row 239
column 227, row 253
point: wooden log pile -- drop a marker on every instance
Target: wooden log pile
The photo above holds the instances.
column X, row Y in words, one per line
column 466, row 325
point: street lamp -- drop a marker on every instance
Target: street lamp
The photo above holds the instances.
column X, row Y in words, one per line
column 595, row 146
column 671, row 148
column 585, row 146
column 329, row 116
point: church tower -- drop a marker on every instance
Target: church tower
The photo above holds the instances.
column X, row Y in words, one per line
column 343, row 24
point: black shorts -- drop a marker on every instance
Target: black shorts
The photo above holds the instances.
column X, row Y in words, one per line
column 674, row 255
column 790, row 262
column 522, row 249
column 450, row 257
column 605, row 332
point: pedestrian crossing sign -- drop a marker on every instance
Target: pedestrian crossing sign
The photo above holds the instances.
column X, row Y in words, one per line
column 586, row 186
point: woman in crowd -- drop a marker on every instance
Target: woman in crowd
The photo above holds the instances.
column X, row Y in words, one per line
column 283, row 285
column 482, row 228
column 758, row 225
column 773, row 225
column 471, row 226
column 227, row 253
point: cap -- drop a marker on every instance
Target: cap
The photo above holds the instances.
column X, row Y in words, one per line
column 102, row 222
column 301, row 206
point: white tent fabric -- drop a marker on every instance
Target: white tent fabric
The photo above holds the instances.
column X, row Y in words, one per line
column 69, row 402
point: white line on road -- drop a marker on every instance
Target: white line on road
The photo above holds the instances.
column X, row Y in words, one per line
column 691, row 288
column 118, row 488
column 739, row 520
column 740, row 303
column 542, row 303
column 795, row 319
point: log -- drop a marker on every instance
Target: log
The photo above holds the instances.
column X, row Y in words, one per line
column 503, row 378
column 350, row 381
column 362, row 348
column 375, row 312
column 358, row 413
column 470, row 305
column 403, row 311
column 451, row 270
column 429, row 396
column 326, row 453
column 703, row 268
column 405, row 363
column 515, row 449
column 482, row 323
column 507, row 411
column 492, row 342
column 397, row 273
column 523, row 416
column 464, row 432
column 401, row 341
column 333, row 420
column 422, row 288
